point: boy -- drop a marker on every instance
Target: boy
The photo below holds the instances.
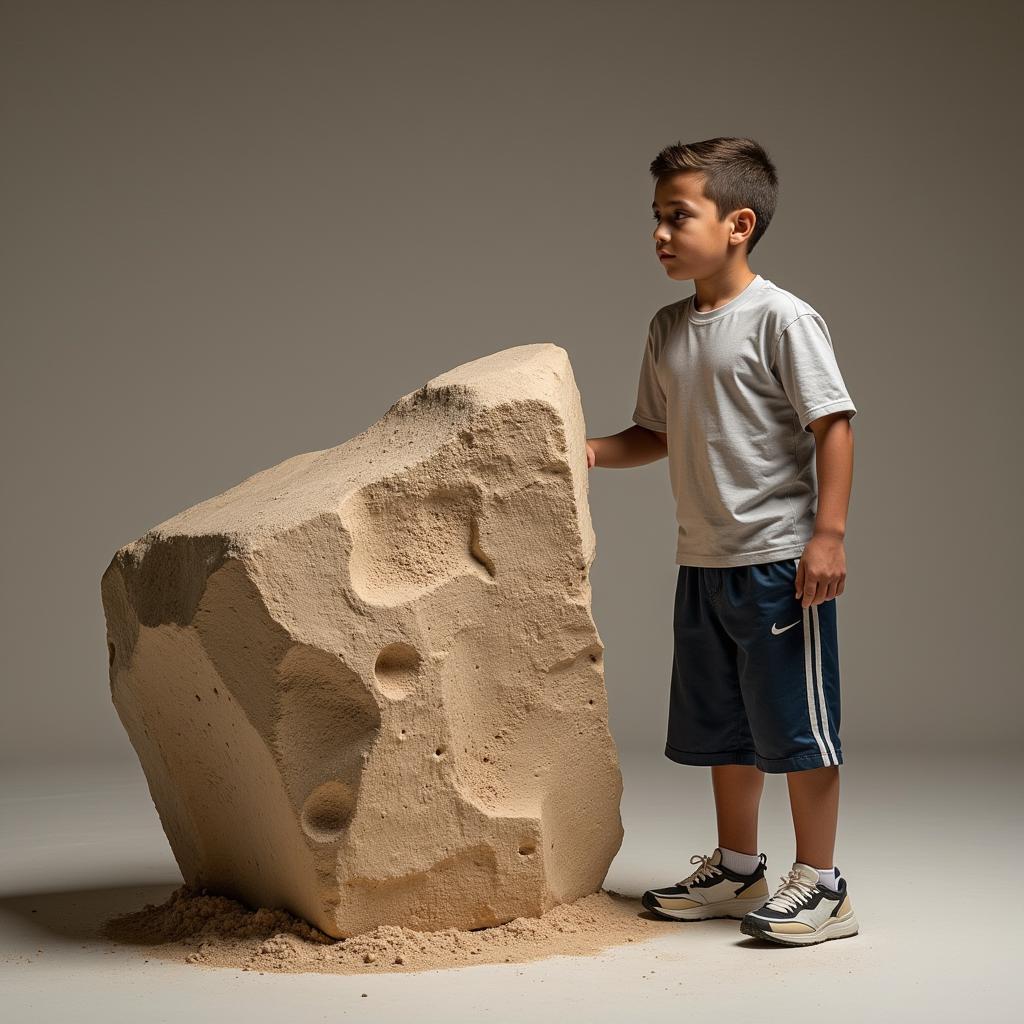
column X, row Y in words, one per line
column 740, row 388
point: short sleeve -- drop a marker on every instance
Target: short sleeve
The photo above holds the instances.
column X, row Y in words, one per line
column 650, row 396
column 805, row 364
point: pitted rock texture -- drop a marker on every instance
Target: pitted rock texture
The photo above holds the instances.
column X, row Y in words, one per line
column 365, row 685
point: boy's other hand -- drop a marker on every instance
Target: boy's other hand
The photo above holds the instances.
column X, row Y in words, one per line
column 821, row 574
column 591, row 456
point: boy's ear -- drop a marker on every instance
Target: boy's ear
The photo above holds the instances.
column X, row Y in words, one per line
column 746, row 217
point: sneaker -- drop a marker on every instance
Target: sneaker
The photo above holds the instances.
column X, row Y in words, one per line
column 803, row 912
column 710, row 891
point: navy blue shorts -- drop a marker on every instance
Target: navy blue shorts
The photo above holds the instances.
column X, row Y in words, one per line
column 755, row 676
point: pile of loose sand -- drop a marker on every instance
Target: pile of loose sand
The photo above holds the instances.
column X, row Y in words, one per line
column 195, row 927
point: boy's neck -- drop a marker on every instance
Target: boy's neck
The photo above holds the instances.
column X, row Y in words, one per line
column 725, row 284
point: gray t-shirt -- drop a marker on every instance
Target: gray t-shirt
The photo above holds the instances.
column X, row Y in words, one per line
column 735, row 389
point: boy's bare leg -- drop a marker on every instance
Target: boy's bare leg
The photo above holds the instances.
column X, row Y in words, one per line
column 814, row 801
column 737, row 789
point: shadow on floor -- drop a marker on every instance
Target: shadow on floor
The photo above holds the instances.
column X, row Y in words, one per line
column 80, row 913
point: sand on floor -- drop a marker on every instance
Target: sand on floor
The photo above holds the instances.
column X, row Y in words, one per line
column 196, row 927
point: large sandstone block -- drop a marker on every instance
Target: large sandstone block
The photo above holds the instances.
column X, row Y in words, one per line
column 365, row 684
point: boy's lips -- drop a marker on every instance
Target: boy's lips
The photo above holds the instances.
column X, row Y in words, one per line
column 666, row 256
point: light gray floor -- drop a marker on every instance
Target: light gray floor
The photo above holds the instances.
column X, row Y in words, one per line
column 929, row 847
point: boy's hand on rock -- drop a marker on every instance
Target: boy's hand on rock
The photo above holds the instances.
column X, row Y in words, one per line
column 821, row 574
column 591, row 456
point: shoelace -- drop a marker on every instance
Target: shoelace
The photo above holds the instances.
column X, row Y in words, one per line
column 794, row 892
column 706, row 869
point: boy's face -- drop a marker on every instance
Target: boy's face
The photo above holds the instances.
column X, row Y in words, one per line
column 688, row 228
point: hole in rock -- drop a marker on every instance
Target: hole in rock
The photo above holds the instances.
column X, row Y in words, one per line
column 396, row 670
column 110, row 653
column 327, row 810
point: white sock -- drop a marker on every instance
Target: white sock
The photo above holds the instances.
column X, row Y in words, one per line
column 829, row 878
column 742, row 863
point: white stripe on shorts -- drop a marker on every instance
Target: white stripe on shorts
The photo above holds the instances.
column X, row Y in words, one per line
column 821, row 687
column 809, row 679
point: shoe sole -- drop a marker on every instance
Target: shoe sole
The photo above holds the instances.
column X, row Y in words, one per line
column 835, row 928
column 727, row 908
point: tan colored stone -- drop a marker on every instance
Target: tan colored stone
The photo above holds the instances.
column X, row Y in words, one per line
column 365, row 684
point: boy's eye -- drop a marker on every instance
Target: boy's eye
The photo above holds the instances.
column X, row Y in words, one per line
column 678, row 213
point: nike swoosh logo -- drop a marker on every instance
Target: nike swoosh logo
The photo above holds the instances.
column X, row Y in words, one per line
column 776, row 632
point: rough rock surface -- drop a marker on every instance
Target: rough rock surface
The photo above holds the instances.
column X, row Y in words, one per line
column 365, row 684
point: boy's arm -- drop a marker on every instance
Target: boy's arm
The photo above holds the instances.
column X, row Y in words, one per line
column 634, row 446
column 821, row 575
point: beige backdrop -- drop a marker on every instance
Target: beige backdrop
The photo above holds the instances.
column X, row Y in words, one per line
column 237, row 231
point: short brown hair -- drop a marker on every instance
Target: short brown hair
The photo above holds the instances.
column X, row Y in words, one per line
column 737, row 173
